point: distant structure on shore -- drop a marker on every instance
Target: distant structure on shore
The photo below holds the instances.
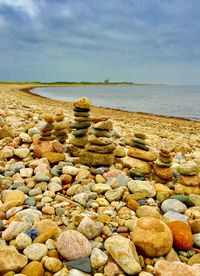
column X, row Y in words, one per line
column 106, row 81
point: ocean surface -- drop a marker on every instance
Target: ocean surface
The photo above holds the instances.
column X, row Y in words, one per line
column 167, row 100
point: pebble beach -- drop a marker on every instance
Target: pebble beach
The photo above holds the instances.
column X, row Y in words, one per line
column 86, row 190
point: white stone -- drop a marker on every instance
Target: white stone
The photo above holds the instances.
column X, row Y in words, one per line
column 36, row 251
column 14, row 229
column 139, row 186
column 21, row 152
column 25, row 137
column 98, row 258
column 173, row 205
column 70, row 170
column 90, row 228
column 26, row 172
column 22, row 241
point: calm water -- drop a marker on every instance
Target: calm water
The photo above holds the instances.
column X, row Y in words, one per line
column 178, row 101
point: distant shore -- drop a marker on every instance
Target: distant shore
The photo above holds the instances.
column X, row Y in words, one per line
column 177, row 128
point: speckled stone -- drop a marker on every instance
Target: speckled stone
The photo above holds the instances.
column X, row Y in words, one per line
column 68, row 245
column 152, row 237
column 124, row 253
column 11, row 259
column 90, row 228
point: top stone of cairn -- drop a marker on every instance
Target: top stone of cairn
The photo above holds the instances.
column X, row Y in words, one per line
column 82, row 103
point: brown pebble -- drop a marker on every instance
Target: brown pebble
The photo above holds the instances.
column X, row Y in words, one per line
column 66, row 179
column 48, row 118
column 2, row 215
column 122, row 229
column 53, row 253
column 47, row 273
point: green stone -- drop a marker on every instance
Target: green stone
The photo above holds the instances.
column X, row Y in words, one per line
column 162, row 164
column 182, row 198
column 101, row 133
column 135, row 172
column 79, row 132
column 81, row 264
column 139, row 146
column 193, row 200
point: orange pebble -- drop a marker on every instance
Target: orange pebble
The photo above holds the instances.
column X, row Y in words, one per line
column 66, row 179
column 182, row 235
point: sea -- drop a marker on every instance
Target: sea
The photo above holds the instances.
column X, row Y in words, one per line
column 167, row 100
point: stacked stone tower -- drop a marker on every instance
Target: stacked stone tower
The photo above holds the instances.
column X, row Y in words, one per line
column 139, row 150
column 100, row 147
column 47, row 132
column 60, row 126
column 78, row 137
column 162, row 167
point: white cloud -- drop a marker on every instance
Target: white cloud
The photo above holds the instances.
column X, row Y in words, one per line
column 28, row 6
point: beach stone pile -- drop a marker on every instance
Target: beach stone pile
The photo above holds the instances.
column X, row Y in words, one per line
column 139, row 157
column 47, row 131
column 162, row 167
column 189, row 179
column 61, row 127
column 100, row 147
column 79, row 128
column 59, row 216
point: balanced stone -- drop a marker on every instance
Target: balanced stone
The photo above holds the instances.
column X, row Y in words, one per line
column 190, row 168
column 100, row 149
column 47, row 129
column 192, row 181
column 82, row 103
column 79, row 132
column 78, row 141
column 141, row 154
column 101, row 141
column 101, row 132
column 93, row 159
column 105, row 125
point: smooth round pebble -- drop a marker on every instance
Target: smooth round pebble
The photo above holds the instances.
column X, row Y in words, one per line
column 52, row 264
column 23, row 241
column 36, row 251
column 173, row 205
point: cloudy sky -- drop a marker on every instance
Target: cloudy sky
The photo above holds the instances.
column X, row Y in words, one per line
column 144, row 41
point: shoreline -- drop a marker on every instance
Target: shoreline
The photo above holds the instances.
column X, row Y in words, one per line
column 28, row 90
column 19, row 98
column 49, row 193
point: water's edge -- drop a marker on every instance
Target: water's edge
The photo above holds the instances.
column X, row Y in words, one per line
column 30, row 90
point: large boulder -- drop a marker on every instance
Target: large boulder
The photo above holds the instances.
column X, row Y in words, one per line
column 152, row 237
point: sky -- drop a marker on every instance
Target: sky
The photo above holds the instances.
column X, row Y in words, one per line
column 143, row 41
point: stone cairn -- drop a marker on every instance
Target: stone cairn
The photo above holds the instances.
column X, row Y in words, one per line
column 139, row 149
column 189, row 178
column 100, row 147
column 162, row 167
column 78, row 137
column 60, row 127
column 47, row 132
